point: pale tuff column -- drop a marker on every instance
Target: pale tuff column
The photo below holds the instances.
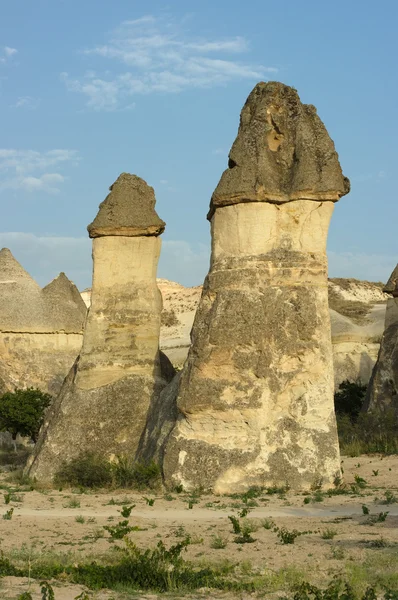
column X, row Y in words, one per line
column 123, row 325
column 104, row 403
column 382, row 393
column 255, row 399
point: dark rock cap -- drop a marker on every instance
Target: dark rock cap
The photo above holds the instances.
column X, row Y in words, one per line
column 282, row 152
column 392, row 284
column 128, row 210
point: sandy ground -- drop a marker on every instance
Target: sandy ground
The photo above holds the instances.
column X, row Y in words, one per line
column 66, row 521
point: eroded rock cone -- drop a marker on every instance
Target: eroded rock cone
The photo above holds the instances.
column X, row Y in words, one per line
column 103, row 405
column 382, row 391
column 255, row 400
column 41, row 330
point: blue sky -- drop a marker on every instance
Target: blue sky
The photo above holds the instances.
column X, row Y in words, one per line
column 92, row 88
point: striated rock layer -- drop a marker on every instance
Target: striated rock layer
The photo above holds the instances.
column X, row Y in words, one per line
column 255, row 400
column 103, row 405
column 382, row 392
column 41, row 330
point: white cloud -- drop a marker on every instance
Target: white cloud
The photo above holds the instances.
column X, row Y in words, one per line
column 10, row 51
column 28, row 170
column 160, row 57
column 6, row 54
column 27, row 102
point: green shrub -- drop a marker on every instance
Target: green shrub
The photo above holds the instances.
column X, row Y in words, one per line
column 87, row 470
column 130, row 474
column 218, row 542
column 373, row 432
column 348, row 400
column 22, row 412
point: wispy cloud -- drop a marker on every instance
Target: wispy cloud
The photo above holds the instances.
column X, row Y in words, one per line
column 161, row 57
column 7, row 53
column 45, row 256
column 27, row 102
column 34, row 171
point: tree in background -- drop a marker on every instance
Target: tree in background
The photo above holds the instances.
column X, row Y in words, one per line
column 22, row 412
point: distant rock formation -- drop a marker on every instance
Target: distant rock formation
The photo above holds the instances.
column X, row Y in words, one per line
column 382, row 392
column 357, row 311
column 103, row 405
column 255, row 399
column 41, row 330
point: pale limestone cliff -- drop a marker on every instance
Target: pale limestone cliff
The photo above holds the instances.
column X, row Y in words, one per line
column 41, row 330
column 103, row 405
column 255, row 399
column 382, row 392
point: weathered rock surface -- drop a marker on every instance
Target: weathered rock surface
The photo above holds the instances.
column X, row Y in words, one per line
column 255, row 400
column 357, row 311
column 103, row 405
column 41, row 330
column 118, row 215
column 382, row 392
column 282, row 152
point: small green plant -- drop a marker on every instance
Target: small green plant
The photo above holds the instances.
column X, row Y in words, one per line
column 25, row 596
column 337, row 552
column 72, row 503
column 328, row 534
column 126, row 511
column 118, row 531
column 245, row 538
column 318, row 496
column 149, row 501
column 307, row 500
column 47, row 592
column 80, row 519
column 365, row 509
column 375, row 472
column 389, row 498
column 288, row 537
column 380, row 518
column 235, row 524
column 7, row 498
column 8, row 514
column 180, row 532
column 380, row 543
column 218, row 542
column 360, row 482
column 179, row 489
column 169, row 497
column 267, row 523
